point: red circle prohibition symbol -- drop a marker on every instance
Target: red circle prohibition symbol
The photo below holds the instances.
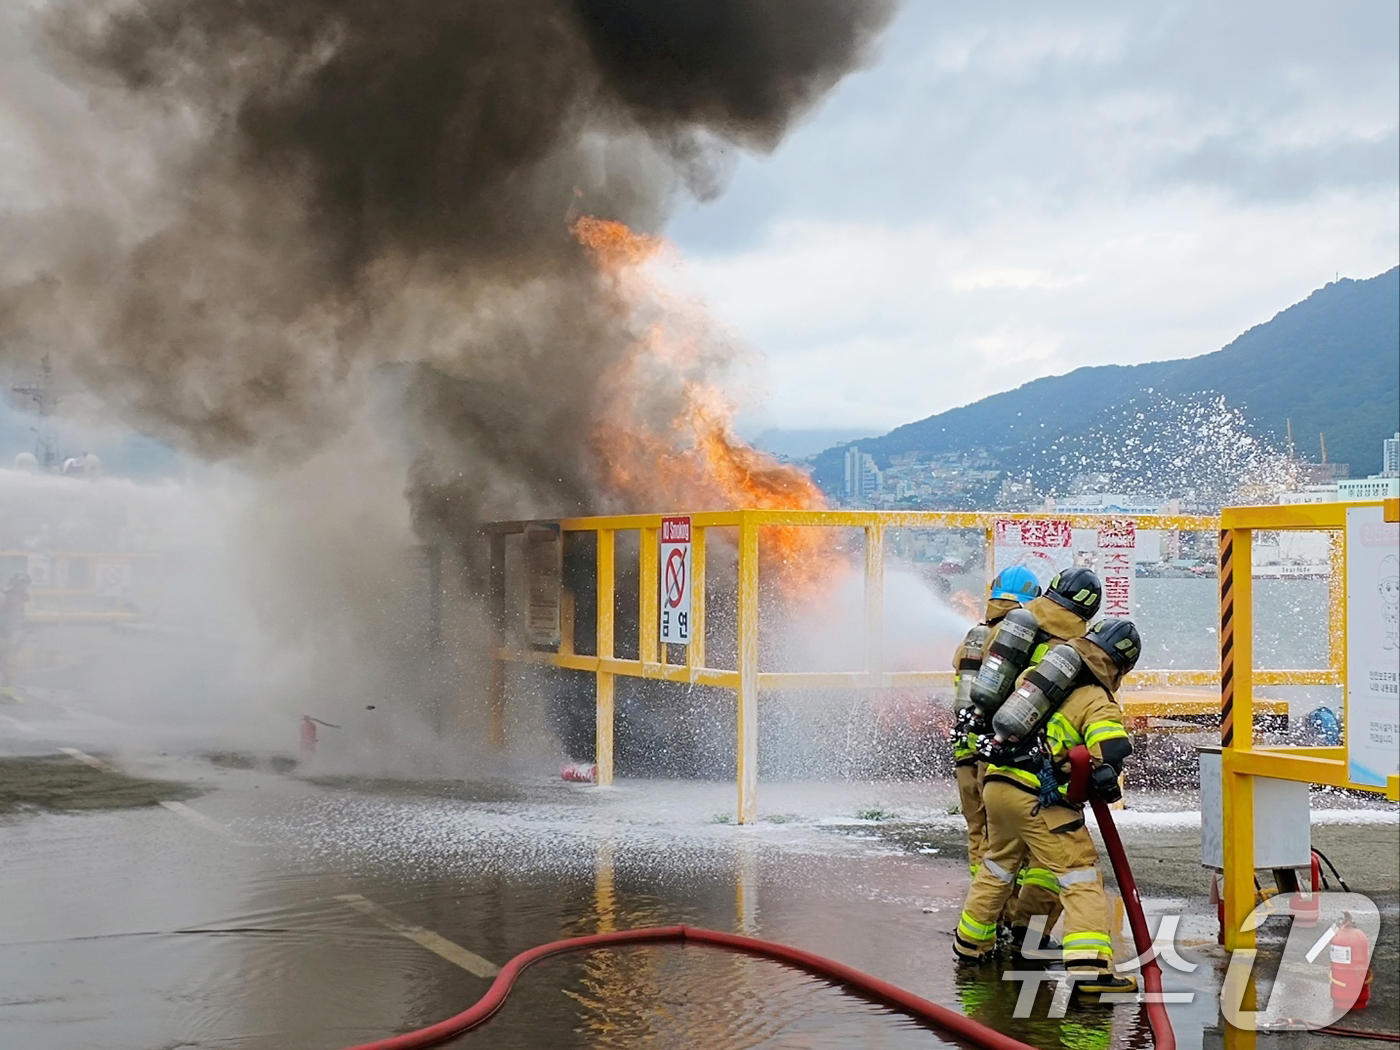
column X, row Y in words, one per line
column 675, row 577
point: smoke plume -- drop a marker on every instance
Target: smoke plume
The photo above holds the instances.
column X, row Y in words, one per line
column 253, row 227
column 339, row 184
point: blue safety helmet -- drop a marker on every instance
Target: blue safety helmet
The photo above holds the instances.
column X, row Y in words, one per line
column 1017, row 583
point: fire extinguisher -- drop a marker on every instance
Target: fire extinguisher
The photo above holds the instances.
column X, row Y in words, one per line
column 308, row 734
column 1350, row 954
column 1304, row 905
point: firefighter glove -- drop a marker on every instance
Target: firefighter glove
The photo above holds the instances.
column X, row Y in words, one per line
column 1103, row 781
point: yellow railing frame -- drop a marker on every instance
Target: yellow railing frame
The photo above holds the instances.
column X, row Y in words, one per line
column 56, row 600
column 746, row 679
column 1240, row 759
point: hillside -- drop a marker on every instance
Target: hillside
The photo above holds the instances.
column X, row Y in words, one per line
column 1331, row 363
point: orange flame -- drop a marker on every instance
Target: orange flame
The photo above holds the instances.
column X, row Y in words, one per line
column 692, row 458
column 966, row 603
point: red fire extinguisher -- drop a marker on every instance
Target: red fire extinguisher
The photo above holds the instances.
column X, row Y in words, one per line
column 1304, row 905
column 308, row 734
column 579, row 772
column 1350, row 954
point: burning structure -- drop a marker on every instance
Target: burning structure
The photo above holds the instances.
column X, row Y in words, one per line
column 245, row 214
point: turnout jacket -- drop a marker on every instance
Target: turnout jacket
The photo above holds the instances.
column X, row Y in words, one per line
column 1057, row 624
column 965, row 746
column 1090, row 716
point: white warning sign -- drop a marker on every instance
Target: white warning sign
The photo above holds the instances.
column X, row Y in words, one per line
column 675, row 581
column 1373, row 646
column 1045, row 546
column 1117, row 546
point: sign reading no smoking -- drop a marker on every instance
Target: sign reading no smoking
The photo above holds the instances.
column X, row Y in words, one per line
column 675, row 581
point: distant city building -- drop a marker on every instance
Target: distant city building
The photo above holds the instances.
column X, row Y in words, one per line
column 1352, row 490
column 1109, row 503
column 1310, row 494
column 1385, row 485
column 863, row 478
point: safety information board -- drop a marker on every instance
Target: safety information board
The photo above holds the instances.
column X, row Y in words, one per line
column 1045, row 546
column 675, row 581
column 1373, row 646
column 1117, row 542
column 544, row 574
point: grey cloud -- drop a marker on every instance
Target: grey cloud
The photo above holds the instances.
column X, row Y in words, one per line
column 972, row 111
column 1258, row 173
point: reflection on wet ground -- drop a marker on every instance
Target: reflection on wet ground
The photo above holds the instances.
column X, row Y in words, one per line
column 153, row 927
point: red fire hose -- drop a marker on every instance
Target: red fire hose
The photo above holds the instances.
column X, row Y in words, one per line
column 940, row 1017
column 947, row 1021
column 1162, row 1034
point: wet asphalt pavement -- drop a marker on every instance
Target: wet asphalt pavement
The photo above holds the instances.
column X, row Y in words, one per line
column 273, row 911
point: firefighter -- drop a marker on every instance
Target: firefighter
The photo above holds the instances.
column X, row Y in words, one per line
column 1011, row 588
column 1066, row 702
column 1017, row 644
column 12, row 600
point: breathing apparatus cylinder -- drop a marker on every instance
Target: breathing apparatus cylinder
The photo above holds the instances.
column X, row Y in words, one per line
column 1039, row 696
column 969, row 662
column 1008, row 655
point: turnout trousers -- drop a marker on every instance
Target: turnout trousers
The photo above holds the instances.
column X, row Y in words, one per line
column 1036, row 891
column 974, row 812
column 1055, row 839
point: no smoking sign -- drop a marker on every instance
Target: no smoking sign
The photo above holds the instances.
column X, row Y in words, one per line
column 675, row 581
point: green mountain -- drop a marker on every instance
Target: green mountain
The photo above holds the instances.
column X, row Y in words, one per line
column 1330, row 363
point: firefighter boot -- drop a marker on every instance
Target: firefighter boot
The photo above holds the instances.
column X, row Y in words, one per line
column 1030, row 947
column 966, row 958
column 1099, row 979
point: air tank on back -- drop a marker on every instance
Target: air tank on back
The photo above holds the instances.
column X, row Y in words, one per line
column 1007, row 656
column 969, row 662
column 1044, row 689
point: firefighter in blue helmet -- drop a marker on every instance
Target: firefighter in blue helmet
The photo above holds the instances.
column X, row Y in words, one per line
column 1010, row 590
column 1066, row 701
column 1038, row 893
column 1015, row 646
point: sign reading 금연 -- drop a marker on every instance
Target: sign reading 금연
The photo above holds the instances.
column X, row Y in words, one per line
column 675, row 581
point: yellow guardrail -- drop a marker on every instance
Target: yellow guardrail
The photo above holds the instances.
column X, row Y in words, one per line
column 1241, row 759
column 745, row 677
column 94, row 583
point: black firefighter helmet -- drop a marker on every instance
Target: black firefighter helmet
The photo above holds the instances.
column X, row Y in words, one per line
column 1078, row 590
column 1120, row 639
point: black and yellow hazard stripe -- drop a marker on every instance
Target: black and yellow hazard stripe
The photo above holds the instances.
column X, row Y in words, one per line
column 1227, row 638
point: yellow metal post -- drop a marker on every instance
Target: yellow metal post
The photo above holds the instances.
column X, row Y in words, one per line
column 1237, row 732
column 496, row 614
column 874, row 600
column 1337, row 609
column 695, row 651
column 989, row 559
column 603, row 715
column 566, row 622
column 648, row 600
column 747, row 699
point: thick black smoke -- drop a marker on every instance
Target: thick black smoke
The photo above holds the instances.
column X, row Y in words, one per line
column 329, row 241
column 339, row 184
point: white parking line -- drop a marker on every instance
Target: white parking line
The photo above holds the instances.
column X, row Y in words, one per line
column 178, row 808
column 453, row 953
column 207, row 823
column 86, row 759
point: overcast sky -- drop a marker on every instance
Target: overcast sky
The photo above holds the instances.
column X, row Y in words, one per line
column 1016, row 190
